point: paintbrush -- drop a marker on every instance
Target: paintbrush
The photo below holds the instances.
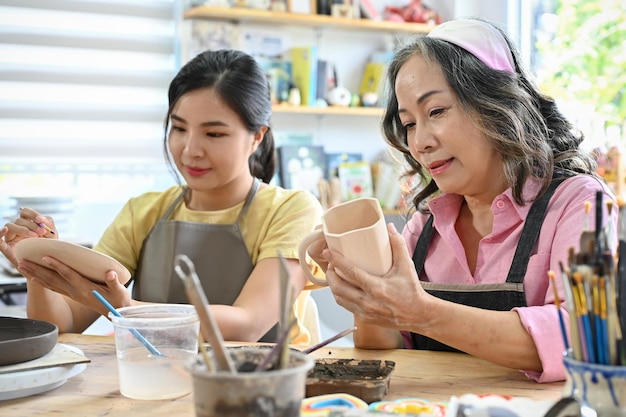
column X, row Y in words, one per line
column 329, row 340
column 557, row 303
column 268, row 363
column 571, row 309
column 135, row 333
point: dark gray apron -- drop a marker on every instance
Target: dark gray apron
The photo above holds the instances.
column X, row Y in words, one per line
column 218, row 252
column 500, row 297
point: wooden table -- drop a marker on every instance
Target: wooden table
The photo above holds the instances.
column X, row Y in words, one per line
column 435, row 376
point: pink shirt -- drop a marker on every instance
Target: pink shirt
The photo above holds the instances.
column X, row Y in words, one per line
column 562, row 227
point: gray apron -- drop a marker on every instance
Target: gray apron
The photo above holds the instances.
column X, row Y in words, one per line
column 218, row 252
column 500, row 297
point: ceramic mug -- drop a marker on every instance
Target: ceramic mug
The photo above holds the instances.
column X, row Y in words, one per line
column 356, row 229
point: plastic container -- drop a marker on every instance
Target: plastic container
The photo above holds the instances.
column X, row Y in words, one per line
column 154, row 345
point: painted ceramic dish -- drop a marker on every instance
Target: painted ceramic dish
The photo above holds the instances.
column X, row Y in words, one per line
column 94, row 265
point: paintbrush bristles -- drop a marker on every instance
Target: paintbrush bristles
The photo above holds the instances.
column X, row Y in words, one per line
column 591, row 282
column 551, row 277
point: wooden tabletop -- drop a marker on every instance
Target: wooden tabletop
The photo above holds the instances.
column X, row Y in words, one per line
column 435, row 376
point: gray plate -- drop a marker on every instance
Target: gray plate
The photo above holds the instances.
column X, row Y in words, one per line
column 23, row 340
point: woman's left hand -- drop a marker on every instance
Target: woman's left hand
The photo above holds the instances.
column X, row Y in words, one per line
column 29, row 224
column 390, row 301
column 60, row 278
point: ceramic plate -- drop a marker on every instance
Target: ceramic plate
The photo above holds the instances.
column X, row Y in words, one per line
column 23, row 340
column 87, row 262
column 25, row 383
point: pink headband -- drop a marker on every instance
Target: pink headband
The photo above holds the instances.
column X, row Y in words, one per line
column 480, row 39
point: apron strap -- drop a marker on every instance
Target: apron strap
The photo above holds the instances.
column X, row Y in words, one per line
column 249, row 197
column 530, row 233
column 246, row 204
column 421, row 247
column 172, row 206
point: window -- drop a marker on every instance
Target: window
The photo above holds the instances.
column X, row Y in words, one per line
column 82, row 105
column 578, row 56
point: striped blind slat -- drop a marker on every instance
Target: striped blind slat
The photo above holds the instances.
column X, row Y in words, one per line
column 82, row 79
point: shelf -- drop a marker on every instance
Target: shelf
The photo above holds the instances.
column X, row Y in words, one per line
column 237, row 14
column 330, row 110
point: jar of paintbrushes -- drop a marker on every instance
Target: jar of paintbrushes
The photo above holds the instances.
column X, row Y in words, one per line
column 595, row 295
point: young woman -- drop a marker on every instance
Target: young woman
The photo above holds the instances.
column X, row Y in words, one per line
column 500, row 202
column 224, row 216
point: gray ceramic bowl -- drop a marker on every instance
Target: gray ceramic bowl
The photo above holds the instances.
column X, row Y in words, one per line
column 23, row 340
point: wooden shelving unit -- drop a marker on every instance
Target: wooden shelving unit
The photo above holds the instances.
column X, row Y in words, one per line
column 238, row 14
column 330, row 110
column 321, row 22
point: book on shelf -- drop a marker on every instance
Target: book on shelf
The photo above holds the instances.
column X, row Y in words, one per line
column 304, row 72
column 372, row 75
column 334, row 159
column 322, row 79
column 301, row 166
column 278, row 72
column 282, row 138
column 355, row 179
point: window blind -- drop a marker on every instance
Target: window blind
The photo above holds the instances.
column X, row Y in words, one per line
column 84, row 80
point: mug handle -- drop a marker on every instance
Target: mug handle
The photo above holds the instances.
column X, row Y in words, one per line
column 302, row 254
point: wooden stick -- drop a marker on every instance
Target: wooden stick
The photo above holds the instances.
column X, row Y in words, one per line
column 196, row 295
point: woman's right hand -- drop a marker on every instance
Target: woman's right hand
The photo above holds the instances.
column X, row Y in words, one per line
column 30, row 224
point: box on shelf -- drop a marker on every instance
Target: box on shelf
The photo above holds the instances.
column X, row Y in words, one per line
column 356, row 180
column 334, row 159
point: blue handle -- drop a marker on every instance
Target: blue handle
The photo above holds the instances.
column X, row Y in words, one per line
column 138, row 335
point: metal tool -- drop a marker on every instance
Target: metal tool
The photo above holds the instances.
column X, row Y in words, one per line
column 186, row 271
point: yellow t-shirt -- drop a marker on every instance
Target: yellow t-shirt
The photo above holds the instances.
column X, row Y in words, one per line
column 277, row 219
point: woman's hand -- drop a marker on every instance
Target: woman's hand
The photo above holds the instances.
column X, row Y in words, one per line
column 389, row 301
column 316, row 249
column 397, row 301
column 62, row 279
column 30, row 224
